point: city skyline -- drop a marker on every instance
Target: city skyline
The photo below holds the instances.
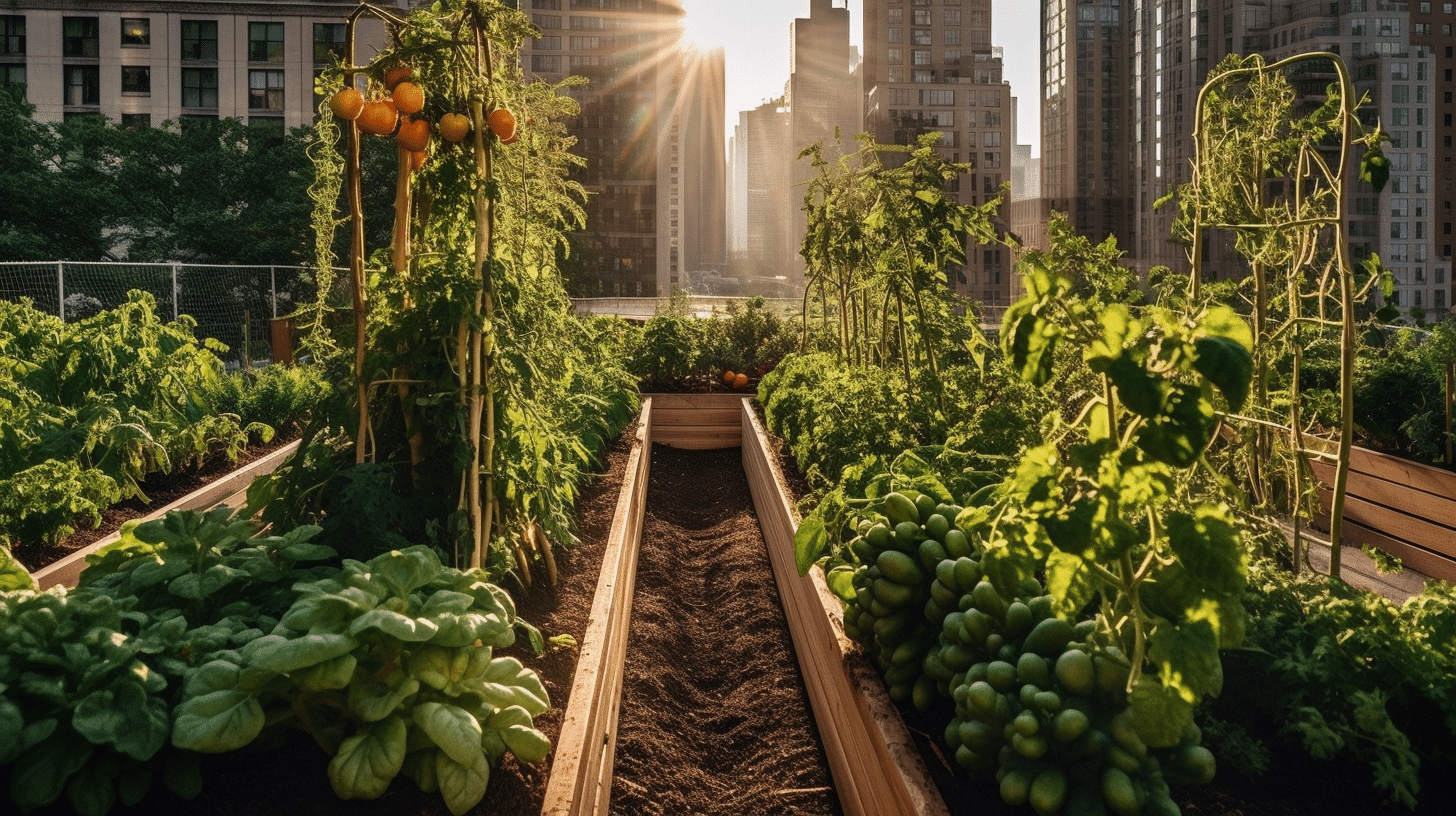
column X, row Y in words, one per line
column 755, row 37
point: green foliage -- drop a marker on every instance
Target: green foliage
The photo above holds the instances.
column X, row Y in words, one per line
column 478, row 402
column 281, row 397
column 667, row 351
column 1351, row 674
column 749, row 339
column 88, row 677
column 204, row 192
column 95, row 406
column 390, row 665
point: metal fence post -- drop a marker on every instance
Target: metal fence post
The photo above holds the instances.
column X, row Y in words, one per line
column 174, row 291
column 273, row 289
column 61, row 290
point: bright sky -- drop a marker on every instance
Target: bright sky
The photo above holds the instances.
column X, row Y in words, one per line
column 755, row 37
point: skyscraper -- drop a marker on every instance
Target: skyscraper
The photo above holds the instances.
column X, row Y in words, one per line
column 1121, row 84
column 929, row 66
column 651, row 130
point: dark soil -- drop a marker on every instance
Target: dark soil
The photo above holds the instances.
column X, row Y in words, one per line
column 715, row 719
column 160, row 490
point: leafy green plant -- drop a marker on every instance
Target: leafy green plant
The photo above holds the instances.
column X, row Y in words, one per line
column 389, row 665
column 88, row 678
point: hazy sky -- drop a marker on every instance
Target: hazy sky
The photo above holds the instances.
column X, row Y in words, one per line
column 755, row 36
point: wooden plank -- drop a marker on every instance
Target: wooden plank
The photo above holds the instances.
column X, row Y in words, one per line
column 1423, row 561
column 678, row 402
column 67, row 571
column 1392, row 468
column 1394, row 523
column 580, row 780
column 709, row 417
column 876, row 768
column 698, row 438
column 1437, row 509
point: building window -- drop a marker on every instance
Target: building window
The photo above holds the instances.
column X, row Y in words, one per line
column 199, row 42
column 922, row 75
column 892, row 35
column 546, row 63
column 83, row 85
column 942, row 98
column 546, row 4
column 893, row 56
column 921, row 57
column 265, row 90
column 136, row 79
column 328, row 42
column 951, row 36
column 586, row 43
column 267, row 126
column 265, row 42
column 951, row 17
column 12, row 80
column 136, row 121
column 199, row 87
column 922, row 17
column 921, row 36
column 81, row 37
column 12, row 35
column 136, row 32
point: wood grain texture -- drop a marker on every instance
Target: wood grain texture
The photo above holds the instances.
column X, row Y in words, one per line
column 581, row 765
column 67, row 571
column 876, row 767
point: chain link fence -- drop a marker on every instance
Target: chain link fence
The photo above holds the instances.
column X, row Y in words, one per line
column 233, row 304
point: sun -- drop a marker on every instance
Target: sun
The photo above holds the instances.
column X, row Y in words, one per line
column 707, row 23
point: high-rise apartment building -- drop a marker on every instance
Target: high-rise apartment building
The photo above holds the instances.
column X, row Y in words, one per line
column 929, row 66
column 146, row 63
column 769, row 156
column 651, row 130
column 1127, row 74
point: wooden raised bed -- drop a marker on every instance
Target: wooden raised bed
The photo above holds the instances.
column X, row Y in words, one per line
column 67, row 570
column 1404, row 508
column 875, row 766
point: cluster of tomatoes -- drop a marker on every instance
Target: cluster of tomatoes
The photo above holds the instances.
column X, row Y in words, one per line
column 736, row 381
column 396, row 112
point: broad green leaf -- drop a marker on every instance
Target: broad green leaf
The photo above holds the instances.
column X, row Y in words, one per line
column 12, row 722
column 218, row 721
column 1031, row 346
column 1070, row 583
column 1226, row 364
column 420, row 766
column 284, row 655
column 506, row 682
column 528, row 744
column 463, row 786
column 445, row 668
column 1179, row 435
column 366, row 763
column 126, row 716
column 328, row 675
column 1187, row 659
column 442, row 601
column 1159, row 715
column 13, row 574
column 375, row 698
column 810, row 541
column 39, row 776
column 1070, row 528
column 466, row 628
column 1223, row 321
column 453, row 729
column 1117, row 324
column 91, row 791
column 406, row 570
column 1209, row 546
column 1142, row 393
column 841, row 582
column 401, row 627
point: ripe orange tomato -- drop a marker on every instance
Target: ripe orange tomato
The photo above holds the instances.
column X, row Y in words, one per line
column 396, row 75
column 347, row 103
column 502, row 123
column 740, row 381
column 454, row 127
column 378, row 117
column 414, row 134
column 728, row 378
column 417, row 159
column 408, row 97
